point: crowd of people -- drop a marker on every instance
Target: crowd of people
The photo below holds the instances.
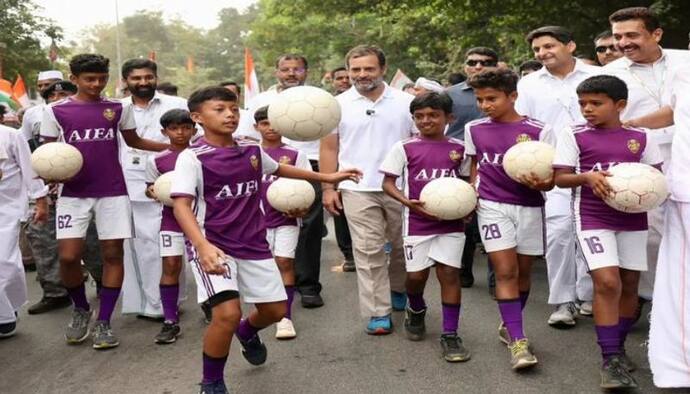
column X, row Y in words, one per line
column 107, row 222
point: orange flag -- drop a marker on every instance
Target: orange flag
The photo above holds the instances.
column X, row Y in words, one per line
column 19, row 92
column 251, row 82
column 190, row 64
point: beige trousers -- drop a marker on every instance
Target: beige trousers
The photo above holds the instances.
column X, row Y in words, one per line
column 375, row 218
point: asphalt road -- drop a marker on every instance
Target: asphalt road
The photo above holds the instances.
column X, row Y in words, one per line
column 331, row 354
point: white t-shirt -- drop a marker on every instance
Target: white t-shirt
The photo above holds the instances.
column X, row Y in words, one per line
column 368, row 130
column 31, row 122
column 679, row 98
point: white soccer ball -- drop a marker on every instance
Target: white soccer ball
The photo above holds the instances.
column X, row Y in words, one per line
column 304, row 113
column 56, row 161
column 162, row 188
column 448, row 198
column 637, row 187
column 286, row 194
column 528, row 157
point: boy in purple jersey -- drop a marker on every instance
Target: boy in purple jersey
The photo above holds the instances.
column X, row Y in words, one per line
column 282, row 230
column 217, row 204
column 613, row 243
column 178, row 126
column 510, row 213
column 427, row 240
column 89, row 122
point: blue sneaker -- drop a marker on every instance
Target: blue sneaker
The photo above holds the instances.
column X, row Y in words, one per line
column 380, row 325
column 213, row 388
column 253, row 350
column 398, row 301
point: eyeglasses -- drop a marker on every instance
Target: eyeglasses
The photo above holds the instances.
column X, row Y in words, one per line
column 484, row 63
column 604, row 48
column 300, row 70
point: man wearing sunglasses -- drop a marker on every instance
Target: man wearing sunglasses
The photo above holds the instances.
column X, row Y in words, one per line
column 605, row 48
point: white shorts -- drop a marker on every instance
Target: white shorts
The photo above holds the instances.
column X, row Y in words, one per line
column 257, row 281
column 423, row 251
column 505, row 226
column 171, row 243
column 608, row 248
column 283, row 240
column 113, row 217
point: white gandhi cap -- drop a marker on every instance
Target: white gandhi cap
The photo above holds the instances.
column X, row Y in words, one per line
column 51, row 74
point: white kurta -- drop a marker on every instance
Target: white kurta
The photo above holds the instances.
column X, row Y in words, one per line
column 19, row 183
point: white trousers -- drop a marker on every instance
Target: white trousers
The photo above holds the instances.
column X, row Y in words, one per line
column 567, row 272
column 13, row 292
column 669, row 335
column 143, row 265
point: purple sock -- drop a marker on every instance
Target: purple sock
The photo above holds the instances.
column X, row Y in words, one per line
column 416, row 301
column 78, row 296
column 608, row 338
column 290, row 290
column 246, row 331
column 169, row 295
column 624, row 326
column 451, row 318
column 213, row 369
column 108, row 300
column 524, row 295
column 511, row 314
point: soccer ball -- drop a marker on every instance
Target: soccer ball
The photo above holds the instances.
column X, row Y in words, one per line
column 162, row 188
column 304, row 113
column 286, row 194
column 448, row 198
column 56, row 161
column 528, row 157
column 637, row 187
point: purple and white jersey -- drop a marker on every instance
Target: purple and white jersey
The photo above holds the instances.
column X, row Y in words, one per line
column 157, row 165
column 419, row 161
column 91, row 127
column 489, row 141
column 283, row 155
column 225, row 184
column 585, row 148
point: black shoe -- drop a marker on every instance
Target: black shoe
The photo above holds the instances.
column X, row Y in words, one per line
column 47, row 304
column 312, row 300
column 253, row 350
column 169, row 333
column 208, row 313
column 414, row 324
column 349, row 266
column 466, row 279
column 8, row 329
column 213, row 388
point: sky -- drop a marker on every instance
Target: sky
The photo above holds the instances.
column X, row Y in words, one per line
column 76, row 15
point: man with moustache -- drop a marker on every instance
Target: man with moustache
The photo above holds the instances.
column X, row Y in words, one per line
column 605, row 48
column 140, row 288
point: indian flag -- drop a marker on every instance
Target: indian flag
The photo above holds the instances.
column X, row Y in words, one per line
column 19, row 92
column 251, row 82
column 6, row 95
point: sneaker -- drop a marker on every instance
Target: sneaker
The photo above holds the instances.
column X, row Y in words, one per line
column 614, row 376
column 586, row 308
column 78, row 329
column 47, row 304
column 349, row 266
column 213, row 388
column 253, row 350
column 452, row 349
column 414, row 324
column 311, row 300
column 8, row 329
column 285, row 329
column 103, row 337
column 564, row 315
column 503, row 334
column 520, row 355
column 398, row 301
column 380, row 325
column 626, row 362
column 208, row 312
column 169, row 333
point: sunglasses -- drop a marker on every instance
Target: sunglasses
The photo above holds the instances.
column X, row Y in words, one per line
column 604, row 48
column 484, row 63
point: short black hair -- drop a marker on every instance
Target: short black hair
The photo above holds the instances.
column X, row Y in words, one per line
column 602, row 35
column 560, row 33
column 136, row 64
column 209, row 93
column 292, row 56
column 176, row 116
column 167, row 88
column 58, row 86
column 484, row 51
column 432, row 100
column 530, row 65
column 88, row 63
column 261, row 114
column 647, row 16
column 335, row 70
column 407, row 86
column 456, row 78
column 233, row 83
column 609, row 85
column 501, row 79
column 366, row 50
